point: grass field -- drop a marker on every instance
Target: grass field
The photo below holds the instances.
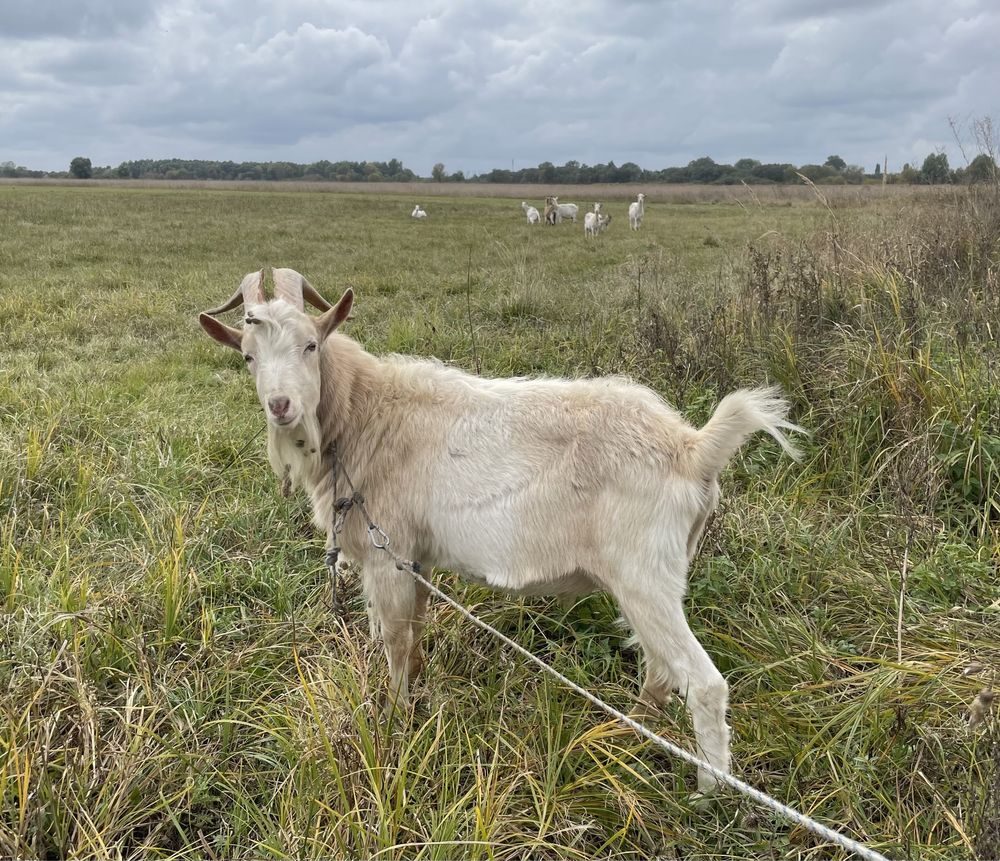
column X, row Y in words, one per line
column 174, row 685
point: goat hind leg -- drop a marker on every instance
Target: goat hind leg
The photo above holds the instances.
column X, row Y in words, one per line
column 677, row 660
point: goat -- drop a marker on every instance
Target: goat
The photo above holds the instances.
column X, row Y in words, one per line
column 636, row 210
column 531, row 213
column 552, row 215
column 418, row 212
column 594, row 223
column 566, row 210
column 529, row 486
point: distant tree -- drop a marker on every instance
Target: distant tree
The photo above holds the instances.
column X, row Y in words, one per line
column 982, row 169
column 746, row 165
column 81, row 168
column 457, row 176
column 774, row 172
column 935, row 169
column 835, row 161
column 569, row 172
column 909, row 174
column 703, row 169
column 878, row 170
column 437, row 172
column 629, row 172
column 853, row 174
column 673, row 174
column 818, row 172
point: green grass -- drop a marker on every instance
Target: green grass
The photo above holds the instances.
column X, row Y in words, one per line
column 174, row 685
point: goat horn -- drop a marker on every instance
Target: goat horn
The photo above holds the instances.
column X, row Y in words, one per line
column 250, row 291
column 310, row 294
column 293, row 287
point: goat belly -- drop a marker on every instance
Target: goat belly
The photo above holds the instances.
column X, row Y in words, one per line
column 571, row 584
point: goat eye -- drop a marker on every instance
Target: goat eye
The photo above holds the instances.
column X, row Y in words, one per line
column 247, row 358
column 311, row 347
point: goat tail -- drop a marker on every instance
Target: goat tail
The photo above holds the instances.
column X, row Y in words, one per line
column 738, row 416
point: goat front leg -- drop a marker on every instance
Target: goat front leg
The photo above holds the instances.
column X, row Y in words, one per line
column 334, row 558
column 392, row 598
column 419, row 618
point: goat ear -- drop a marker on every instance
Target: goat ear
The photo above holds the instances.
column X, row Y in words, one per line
column 330, row 320
column 225, row 335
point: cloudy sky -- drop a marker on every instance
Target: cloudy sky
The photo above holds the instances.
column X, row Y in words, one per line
column 479, row 84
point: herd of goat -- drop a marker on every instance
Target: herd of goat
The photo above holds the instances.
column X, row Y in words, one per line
column 554, row 212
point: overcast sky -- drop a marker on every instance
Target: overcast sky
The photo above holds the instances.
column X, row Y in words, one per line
column 479, row 84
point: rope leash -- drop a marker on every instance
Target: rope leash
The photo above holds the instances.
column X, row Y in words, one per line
column 380, row 541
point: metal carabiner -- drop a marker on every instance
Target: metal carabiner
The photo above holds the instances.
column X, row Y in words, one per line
column 373, row 530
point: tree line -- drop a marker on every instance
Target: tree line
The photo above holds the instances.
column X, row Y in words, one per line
column 935, row 170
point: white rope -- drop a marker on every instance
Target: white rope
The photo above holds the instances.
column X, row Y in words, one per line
column 760, row 797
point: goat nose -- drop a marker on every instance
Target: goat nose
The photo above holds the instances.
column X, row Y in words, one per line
column 278, row 406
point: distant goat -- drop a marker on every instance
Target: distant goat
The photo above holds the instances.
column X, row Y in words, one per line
column 636, row 210
column 530, row 486
column 531, row 213
column 552, row 215
column 418, row 212
column 594, row 223
column 566, row 210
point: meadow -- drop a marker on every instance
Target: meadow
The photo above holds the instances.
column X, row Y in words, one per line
column 173, row 683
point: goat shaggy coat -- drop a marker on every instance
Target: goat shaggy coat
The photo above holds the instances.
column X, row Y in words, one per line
column 530, row 486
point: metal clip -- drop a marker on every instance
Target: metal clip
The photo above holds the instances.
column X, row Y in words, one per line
column 373, row 531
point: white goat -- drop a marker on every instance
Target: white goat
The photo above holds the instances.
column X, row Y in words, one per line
column 418, row 212
column 566, row 210
column 530, row 486
column 594, row 223
column 636, row 210
column 531, row 213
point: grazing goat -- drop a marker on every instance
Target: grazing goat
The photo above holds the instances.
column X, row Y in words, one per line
column 636, row 210
column 566, row 210
column 530, row 486
column 418, row 212
column 531, row 213
column 594, row 223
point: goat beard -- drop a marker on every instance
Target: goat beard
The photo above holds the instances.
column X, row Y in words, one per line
column 296, row 453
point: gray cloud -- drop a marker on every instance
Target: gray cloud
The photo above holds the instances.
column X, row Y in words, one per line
column 478, row 85
column 83, row 19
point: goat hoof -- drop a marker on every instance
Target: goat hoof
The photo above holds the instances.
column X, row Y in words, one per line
column 395, row 709
column 643, row 710
column 702, row 802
